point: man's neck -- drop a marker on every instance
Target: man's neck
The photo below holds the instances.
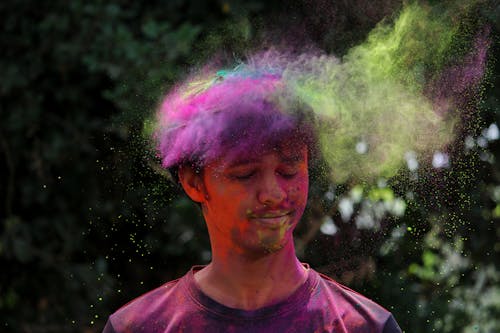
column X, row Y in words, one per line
column 250, row 284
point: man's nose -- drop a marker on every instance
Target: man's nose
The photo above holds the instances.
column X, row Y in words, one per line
column 271, row 192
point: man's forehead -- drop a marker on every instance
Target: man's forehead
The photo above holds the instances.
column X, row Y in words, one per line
column 284, row 155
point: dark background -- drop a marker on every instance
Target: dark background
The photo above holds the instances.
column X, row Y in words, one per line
column 88, row 222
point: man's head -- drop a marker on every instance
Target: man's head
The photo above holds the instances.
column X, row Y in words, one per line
column 241, row 148
column 251, row 203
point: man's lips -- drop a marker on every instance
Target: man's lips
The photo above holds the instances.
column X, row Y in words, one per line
column 271, row 219
column 269, row 214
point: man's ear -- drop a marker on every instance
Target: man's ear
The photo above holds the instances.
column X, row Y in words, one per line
column 192, row 183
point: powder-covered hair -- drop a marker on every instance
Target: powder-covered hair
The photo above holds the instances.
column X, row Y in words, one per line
column 243, row 111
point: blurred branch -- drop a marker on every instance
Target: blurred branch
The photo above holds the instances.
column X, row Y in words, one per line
column 10, row 175
column 301, row 243
column 68, row 126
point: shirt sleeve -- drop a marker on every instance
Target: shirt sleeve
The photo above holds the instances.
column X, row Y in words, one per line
column 109, row 328
column 391, row 326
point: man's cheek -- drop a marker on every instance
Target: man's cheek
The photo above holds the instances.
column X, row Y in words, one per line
column 236, row 202
column 298, row 191
column 225, row 191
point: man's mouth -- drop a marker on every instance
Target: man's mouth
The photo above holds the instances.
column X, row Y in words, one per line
column 273, row 220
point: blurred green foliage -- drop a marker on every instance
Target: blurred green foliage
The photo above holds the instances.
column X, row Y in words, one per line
column 88, row 222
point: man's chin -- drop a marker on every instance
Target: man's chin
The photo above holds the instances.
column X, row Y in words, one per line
column 263, row 241
column 262, row 248
column 274, row 242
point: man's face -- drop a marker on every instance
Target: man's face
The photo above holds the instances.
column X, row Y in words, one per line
column 254, row 203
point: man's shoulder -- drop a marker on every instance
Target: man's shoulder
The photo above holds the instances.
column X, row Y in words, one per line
column 153, row 306
column 352, row 306
column 155, row 296
column 336, row 289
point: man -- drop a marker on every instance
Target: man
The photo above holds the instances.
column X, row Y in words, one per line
column 240, row 147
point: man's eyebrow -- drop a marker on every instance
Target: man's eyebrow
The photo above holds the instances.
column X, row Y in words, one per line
column 291, row 158
column 242, row 161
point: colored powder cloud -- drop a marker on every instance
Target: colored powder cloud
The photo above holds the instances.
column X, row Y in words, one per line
column 401, row 91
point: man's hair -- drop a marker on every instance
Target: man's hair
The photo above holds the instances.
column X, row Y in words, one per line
column 245, row 111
